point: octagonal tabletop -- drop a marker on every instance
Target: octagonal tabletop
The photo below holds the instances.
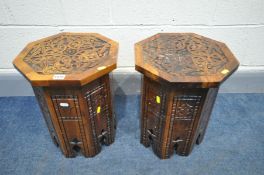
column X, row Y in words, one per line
column 72, row 59
column 185, row 58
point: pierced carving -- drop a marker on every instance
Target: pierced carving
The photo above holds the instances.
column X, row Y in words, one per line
column 184, row 54
column 67, row 54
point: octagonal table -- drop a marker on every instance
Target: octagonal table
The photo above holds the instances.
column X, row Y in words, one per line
column 182, row 74
column 69, row 73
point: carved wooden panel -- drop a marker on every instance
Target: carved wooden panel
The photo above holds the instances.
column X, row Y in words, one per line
column 67, row 54
column 39, row 93
column 185, row 109
column 183, row 54
column 96, row 100
column 171, row 123
column 153, row 116
column 82, row 116
column 71, row 123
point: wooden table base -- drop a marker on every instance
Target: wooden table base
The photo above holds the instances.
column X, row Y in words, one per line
column 174, row 118
column 79, row 119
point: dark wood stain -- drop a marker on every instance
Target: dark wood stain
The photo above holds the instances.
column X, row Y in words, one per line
column 182, row 73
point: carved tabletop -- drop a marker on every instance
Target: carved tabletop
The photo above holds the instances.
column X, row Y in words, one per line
column 77, row 58
column 185, row 58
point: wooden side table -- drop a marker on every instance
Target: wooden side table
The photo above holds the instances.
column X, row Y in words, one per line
column 182, row 74
column 69, row 73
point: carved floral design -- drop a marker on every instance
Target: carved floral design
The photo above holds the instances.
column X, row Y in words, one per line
column 187, row 106
column 67, row 54
column 184, row 54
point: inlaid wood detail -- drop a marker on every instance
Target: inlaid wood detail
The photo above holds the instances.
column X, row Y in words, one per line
column 67, row 54
column 170, row 126
column 182, row 54
column 82, row 116
column 153, row 116
column 92, row 103
column 184, row 109
column 100, row 116
column 71, row 123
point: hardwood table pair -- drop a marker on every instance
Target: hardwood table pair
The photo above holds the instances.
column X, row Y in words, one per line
column 182, row 72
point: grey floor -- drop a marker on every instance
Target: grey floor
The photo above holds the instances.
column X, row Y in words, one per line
column 234, row 142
